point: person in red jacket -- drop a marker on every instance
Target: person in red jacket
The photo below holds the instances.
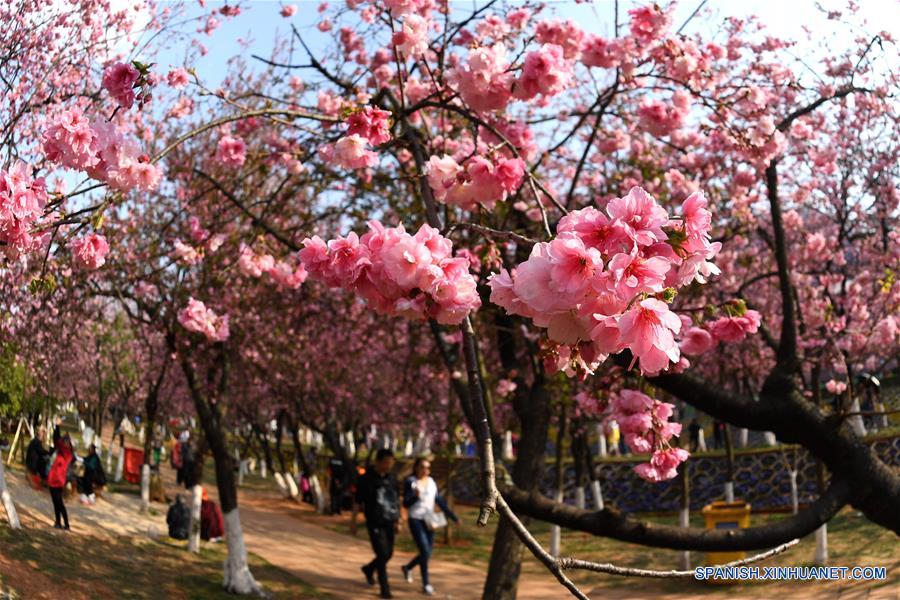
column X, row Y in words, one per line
column 56, row 480
column 212, row 528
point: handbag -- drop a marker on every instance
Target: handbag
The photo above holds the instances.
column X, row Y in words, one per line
column 435, row 520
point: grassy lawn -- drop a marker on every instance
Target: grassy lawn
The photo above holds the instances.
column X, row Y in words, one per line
column 46, row 563
column 852, row 540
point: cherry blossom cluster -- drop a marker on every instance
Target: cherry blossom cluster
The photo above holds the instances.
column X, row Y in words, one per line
column 733, row 327
column 198, row 318
column 645, row 426
column 415, row 276
column 231, row 151
column 481, row 183
column 284, row 274
column 22, row 201
column 121, row 80
column 369, row 126
column 602, row 285
column 100, row 150
column 90, row 251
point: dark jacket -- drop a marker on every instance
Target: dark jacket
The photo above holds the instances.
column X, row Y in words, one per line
column 36, row 457
column 379, row 496
column 93, row 473
column 410, row 498
column 179, row 520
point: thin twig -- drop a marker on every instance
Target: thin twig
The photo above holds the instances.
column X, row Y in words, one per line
column 575, row 563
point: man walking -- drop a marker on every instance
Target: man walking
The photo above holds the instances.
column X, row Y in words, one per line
column 377, row 493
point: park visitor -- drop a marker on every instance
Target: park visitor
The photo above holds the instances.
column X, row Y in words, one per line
column 376, row 493
column 212, row 527
column 58, row 474
column 420, row 494
column 36, row 459
column 93, row 476
column 179, row 519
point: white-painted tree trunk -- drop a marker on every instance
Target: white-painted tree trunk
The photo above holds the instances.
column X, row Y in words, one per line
column 556, row 531
column 318, row 496
column 11, row 515
column 597, row 493
column 351, row 444
column 601, row 439
column 856, row 422
column 769, row 438
column 109, row 455
column 507, row 445
column 145, row 488
column 243, row 469
column 282, row 486
column 701, row 442
column 194, row 534
column 293, row 492
column 120, row 464
column 262, row 469
column 81, row 425
column 729, row 491
column 743, row 437
column 408, row 449
column 238, row 578
column 821, row 556
column 684, row 520
column 141, row 435
column 579, row 497
column 795, row 500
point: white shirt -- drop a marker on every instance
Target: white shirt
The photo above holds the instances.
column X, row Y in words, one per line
column 427, row 493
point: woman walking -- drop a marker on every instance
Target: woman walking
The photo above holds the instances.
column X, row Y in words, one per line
column 56, row 480
column 420, row 494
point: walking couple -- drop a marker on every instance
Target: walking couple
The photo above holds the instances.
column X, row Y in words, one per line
column 377, row 494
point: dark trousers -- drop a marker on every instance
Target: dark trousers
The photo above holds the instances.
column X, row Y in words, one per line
column 56, row 494
column 382, row 538
column 424, row 539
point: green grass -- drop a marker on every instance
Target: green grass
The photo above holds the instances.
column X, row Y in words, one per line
column 852, row 540
column 121, row 568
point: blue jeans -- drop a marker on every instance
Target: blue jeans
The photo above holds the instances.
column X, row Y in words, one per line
column 424, row 539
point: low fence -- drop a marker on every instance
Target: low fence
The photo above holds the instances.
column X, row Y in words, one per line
column 761, row 477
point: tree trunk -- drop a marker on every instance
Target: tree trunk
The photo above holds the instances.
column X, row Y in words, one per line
column 684, row 516
column 194, row 535
column 533, row 411
column 729, row 463
column 555, row 530
column 120, row 463
column 11, row 514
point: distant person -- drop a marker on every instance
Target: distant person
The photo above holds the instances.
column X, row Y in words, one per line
column 175, row 461
column 179, row 519
column 694, row 430
column 188, row 463
column 36, row 459
column 56, row 479
column 420, row 494
column 613, row 435
column 337, row 474
column 93, row 476
column 377, row 495
column 212, row 527
column 719, row 434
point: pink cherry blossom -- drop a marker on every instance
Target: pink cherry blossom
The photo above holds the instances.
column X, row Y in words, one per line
column 178, row 78
column 546, row 71
column 351, row 152
column 735, row 329
column 696, row 341
column 370, row 123
column 231, row 151
column 648, row 331
column 90, row 251
column 119, row 80
column 198, row 318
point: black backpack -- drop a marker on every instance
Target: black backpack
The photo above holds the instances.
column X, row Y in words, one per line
column 179, row 520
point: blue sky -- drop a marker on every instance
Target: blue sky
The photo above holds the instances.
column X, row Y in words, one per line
column 260, row 22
